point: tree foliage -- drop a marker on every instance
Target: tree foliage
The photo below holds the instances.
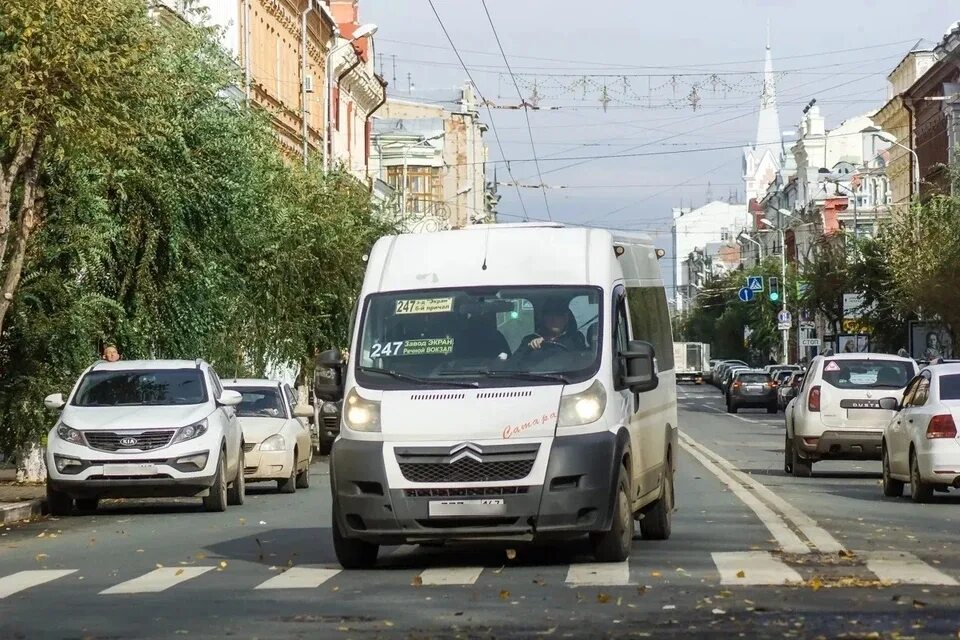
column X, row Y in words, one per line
column 171, row 224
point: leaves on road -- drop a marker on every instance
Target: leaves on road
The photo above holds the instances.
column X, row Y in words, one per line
column 417, row 581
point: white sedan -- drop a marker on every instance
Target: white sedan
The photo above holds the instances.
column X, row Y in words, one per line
column 920, row 444
column 276, row 434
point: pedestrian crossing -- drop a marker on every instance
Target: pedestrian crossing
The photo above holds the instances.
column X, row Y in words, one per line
column 730, row 569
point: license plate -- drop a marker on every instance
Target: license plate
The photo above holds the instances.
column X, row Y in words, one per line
column 484, row 507
column 114, row 470
column 859, row 404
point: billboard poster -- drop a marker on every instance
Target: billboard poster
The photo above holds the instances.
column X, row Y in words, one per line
column 930, row 340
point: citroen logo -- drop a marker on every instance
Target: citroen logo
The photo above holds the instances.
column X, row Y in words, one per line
column 128, row 441
column 466, row 450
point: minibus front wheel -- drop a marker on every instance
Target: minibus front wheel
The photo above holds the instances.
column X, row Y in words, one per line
column 614, row 545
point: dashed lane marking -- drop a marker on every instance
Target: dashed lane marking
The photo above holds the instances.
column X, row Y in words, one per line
column 299, row 578
column 753, row 568
column 906, row 568
column 17, row 582
column 450, row 575
column 599, row 574
column 157, row 580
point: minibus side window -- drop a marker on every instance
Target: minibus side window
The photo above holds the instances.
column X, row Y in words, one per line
column 621, row 337
column 650, row 321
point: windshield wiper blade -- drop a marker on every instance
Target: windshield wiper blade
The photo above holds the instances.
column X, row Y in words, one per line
column 412, row 378
column 519, row 375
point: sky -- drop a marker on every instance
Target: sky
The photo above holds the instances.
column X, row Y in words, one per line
column 682, row 82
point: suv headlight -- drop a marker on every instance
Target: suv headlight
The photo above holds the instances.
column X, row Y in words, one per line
column 69, row 434
column 361, row 414
column 583, row 408
column 274, row 443
column 190, row 431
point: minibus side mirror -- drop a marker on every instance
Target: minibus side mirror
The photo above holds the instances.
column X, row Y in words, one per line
column 641, row 368
column 328, row 376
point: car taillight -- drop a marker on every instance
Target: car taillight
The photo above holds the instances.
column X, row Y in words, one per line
column 942, row 426
column 813, row 400
column 772, row 385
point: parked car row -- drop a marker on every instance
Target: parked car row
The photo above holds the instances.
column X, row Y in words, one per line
column 172, row 428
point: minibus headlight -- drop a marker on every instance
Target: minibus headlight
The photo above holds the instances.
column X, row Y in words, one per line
column 583, row 408
column 361, row 414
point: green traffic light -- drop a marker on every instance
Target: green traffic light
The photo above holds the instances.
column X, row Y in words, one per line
column 774, row 296
column 514, row 315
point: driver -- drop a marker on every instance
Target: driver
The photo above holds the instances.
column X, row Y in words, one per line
column 557, row 326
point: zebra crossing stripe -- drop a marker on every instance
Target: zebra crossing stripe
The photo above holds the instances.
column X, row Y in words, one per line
column 905, row 568
column 157, row 580
column 449, row 576
column 599, row 574
column 753, row 568
column 17, row 582
column 299, row 578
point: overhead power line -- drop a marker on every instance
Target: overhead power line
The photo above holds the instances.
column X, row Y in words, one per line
column 526, row 110
column 493, row 125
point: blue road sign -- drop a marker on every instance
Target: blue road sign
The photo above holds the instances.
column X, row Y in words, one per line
column 746, row 295
column 755, row 283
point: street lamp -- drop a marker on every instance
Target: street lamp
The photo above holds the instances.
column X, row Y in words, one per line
column 361, row 32
column 746, row 236
column 783, row 283
column 889, row 137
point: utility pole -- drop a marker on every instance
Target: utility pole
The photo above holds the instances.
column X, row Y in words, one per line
column 394, row 56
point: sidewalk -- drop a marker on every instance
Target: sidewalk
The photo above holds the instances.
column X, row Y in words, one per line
column 19, row 501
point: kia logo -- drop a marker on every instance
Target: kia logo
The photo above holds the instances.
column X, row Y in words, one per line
column 128, row 441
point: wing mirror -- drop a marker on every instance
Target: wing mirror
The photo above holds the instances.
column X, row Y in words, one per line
column 328, row 376
column 54, row 401
column 230, row 398
column 890, row 404
column 641, row 367
column 303, row 411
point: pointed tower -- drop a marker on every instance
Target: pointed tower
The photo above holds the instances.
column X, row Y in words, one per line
column 763, row 159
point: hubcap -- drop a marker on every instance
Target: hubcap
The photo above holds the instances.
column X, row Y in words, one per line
column 625, row 518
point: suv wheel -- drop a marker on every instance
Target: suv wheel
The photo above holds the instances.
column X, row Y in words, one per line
column 58, row 502
column 614, row 545
column 217, row 500
column 236, row 494
column 657, row 522
column 87, row 505
column 800, row 467
column 891, row 488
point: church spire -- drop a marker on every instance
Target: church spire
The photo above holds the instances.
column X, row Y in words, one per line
column 768, row 124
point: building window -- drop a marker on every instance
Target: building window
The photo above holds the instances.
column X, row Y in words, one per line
column 423, row 187
column 725, row 234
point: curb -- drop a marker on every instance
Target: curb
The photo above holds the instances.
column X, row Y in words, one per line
column 18, row 511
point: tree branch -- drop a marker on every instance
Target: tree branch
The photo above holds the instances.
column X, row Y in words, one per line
column 26, row 152
column 28, row 221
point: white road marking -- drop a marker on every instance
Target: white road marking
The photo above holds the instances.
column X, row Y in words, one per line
column 450, row 575
column 753, row 568
column 599, row 574
column 903, row 567
column 404, row 549
column 157, row 580
column 17, row 582
column 787, row 539
column 299, row 578
column 818, row 536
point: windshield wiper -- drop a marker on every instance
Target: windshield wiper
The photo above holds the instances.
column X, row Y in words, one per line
column 412, row 378
column 517, row 375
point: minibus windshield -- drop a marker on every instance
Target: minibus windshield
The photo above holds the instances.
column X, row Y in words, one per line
column 509, row 336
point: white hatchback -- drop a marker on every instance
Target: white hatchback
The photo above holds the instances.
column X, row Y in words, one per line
column 276, row 434
column 920, row 444
column 145, row 428
column 837, row 413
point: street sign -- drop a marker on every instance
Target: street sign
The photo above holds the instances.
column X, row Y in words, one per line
column 806, row 324
column 755, row 283
column 745, row 295
column 810, row 342
column 784, row 326
column 784, row 317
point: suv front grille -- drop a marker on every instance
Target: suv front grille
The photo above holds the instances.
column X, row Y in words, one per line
column 467, row 492
column 331, row 422
column 143, row 440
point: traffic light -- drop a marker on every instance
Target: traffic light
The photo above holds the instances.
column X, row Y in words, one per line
column 774, row 290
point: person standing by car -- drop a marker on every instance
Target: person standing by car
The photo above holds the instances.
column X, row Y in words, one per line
column 111, row 353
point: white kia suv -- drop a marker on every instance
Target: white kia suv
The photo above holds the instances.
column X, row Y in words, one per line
column 837, row 414
column 145, row 428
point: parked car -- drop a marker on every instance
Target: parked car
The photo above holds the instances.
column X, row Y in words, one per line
column 920, row 443
column 787, row 390
column 330, row 413
column 721, row 369
column 752, row 388
column 837, row 412
column 275, row 432
column 145, row 428
column 728, row 377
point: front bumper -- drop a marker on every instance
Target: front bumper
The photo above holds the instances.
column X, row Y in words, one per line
column 575, row 498
column 841, row 445
column 267, row 465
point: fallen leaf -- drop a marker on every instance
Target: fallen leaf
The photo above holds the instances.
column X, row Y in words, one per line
column 919, row 604
column 816, row 583
column 223, row 564
column 655, row 574
column 741, row 574
column 619, row 601
column 42, row 535
column 718, row 612
column 179, row 572
column 417, row 581
column 263, row 522
column 159, row 566
column 669, row 607
column 387, row 623
column 200, row 556
column 40, row 557
column 504, row 594
column 603, row 598
column 139, row 550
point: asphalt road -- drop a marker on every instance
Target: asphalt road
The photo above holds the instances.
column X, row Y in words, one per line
column 754, row 554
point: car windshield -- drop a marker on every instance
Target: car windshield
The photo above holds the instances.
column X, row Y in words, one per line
column 259, row 402
column 783, row 376
column 867, row 374
column 489, row 336
column 142, row 387
column 753, row 378
column 950, row 387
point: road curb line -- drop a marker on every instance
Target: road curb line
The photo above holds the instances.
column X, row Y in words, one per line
column 789, row 541
column 819, row 537
column 18, row 511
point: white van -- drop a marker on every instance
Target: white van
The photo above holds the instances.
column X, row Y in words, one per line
column 505, row 382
